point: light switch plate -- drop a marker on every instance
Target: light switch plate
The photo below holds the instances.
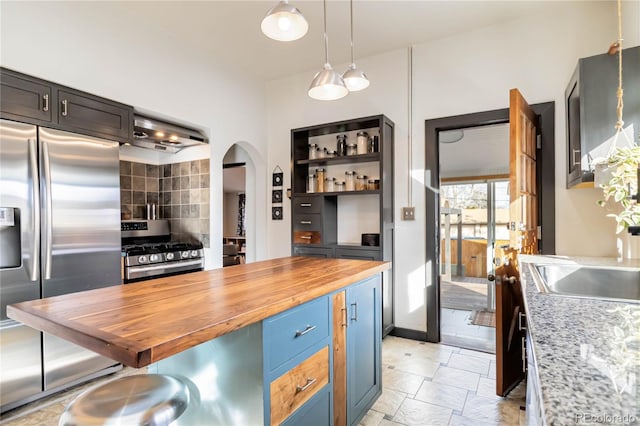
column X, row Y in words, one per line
column 408, row 213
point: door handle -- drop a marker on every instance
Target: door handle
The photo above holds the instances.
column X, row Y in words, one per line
column 45, row 102
column 305, row 204
column 305, row 222
column 573, row 157
column 354, row 317
column 64, row 108
column 308, row 329
column 520, row 317
column 310, row 381
column 46, row 165
column 35, row 214
column 491, row 277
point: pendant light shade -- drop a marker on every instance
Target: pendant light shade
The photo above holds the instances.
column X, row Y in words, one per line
column 284, row 23
column 327, row 85
column 353, row 77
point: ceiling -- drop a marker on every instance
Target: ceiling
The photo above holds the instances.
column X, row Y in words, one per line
column 228, row 32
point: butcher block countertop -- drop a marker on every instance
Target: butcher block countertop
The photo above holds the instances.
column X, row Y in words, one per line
column 139, row 324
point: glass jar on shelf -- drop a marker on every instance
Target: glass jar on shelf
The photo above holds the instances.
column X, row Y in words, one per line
column 352, row 149
column 331, row 154
column 312, row 184
column 361, row 183
column 374, row 144
column 341, row 145
column 313, row 151
column 329, row 184
column 373, row 185
column 322, row 153
column 350, row 181
column 339, row 186
column 362, row 142
column 320, row 177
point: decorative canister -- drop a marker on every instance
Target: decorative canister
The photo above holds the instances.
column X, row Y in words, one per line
column 373, row 184
column 322, row 153
column 341, row 145
column 331, row 154
column 320, row 175
column 374, row 144
column 312, row 183
column 313, row 151
column 362, row 142
column 339, row 186
column 350, row 181
column 352, row 149
column 329, row 184
column 361, row 183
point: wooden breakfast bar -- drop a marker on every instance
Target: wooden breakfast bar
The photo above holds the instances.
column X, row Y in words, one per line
column 270, row 342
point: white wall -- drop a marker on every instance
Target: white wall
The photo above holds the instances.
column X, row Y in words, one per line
column 470, row 72
column 230, row 208
column 111, row 50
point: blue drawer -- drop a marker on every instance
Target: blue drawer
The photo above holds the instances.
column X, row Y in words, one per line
column 291, row 332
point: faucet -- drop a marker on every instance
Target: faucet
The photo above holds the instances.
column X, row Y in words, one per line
column 635, row 230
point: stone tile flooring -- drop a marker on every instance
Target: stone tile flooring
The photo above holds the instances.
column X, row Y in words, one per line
column 423, row 384
column 434, row 384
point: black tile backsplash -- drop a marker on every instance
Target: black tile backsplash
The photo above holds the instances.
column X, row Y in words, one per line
column 181, row 191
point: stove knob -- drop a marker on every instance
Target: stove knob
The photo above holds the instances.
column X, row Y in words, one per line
column 194, row 253
column 169, row 256
column 184, row 254
column 142, row 259
column 154, row 258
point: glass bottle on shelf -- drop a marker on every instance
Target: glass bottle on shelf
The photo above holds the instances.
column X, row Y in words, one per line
column 350, row 181
column 320, row 175
column 352, row 149
column 339, row 186
column 311, row 183
column 329, row 184
column 373, row 184
column 331, row 154
column 361, row 183
column 374, row 144
column 341, row 145
column 362, row 142
column 313, row 151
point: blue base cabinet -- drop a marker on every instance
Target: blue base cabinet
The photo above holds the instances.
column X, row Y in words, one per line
column 364, row 336
column 322, row 359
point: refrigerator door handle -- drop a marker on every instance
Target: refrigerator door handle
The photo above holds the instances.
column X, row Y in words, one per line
column 35, row 196
column 48, row 210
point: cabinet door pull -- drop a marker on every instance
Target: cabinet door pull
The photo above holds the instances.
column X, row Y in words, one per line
column 64, row 107
column 305, row 204
column 310, row 381
column 573, row 158
column 305, row 237
column 305, row 222
column 45, row 102
column 308, row 329
column 355, row 312
column 520, row 322
column 524, row 355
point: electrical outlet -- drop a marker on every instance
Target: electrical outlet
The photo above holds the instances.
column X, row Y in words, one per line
column 408, row 213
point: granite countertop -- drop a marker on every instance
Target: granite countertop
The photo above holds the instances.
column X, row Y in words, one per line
column 587, row 351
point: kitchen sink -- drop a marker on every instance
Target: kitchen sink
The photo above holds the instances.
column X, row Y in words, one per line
column 614, row 283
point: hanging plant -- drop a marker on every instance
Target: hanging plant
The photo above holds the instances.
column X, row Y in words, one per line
column 623, row 185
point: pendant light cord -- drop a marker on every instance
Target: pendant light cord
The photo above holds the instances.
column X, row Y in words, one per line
column 351, row 17
column 326, row 38
column 620, row 107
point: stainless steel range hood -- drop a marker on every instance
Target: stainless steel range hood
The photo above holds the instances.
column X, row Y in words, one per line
column 159, row 135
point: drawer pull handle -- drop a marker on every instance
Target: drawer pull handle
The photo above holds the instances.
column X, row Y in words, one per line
column 305, row 204
column 522, row 324
column 64, row 108
column 305, row 222
column 45, row 101
column 310, row 381
column 305, row 237
column 305, row 331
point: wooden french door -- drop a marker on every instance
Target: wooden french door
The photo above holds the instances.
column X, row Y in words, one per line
column 523, row 238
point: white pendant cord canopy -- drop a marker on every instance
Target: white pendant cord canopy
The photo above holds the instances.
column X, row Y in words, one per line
column 284, row 22
column 354, row 78
column 327, row 85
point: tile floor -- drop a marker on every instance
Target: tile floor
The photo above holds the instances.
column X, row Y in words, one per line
column 423, row 384
column 434, row 384
column 456, row 329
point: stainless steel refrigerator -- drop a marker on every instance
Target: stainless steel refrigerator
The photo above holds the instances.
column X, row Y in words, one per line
column 59, row 233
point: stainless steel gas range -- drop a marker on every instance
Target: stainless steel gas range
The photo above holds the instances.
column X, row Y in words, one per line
column 150, row 253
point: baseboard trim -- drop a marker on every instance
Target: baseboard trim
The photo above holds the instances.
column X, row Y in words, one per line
column 409, row 334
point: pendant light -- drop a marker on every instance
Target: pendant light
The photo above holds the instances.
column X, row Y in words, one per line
column 327, row 85
column 353, row 77
column 284, row 22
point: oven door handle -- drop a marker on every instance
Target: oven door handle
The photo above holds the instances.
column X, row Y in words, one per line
column 167, row 265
